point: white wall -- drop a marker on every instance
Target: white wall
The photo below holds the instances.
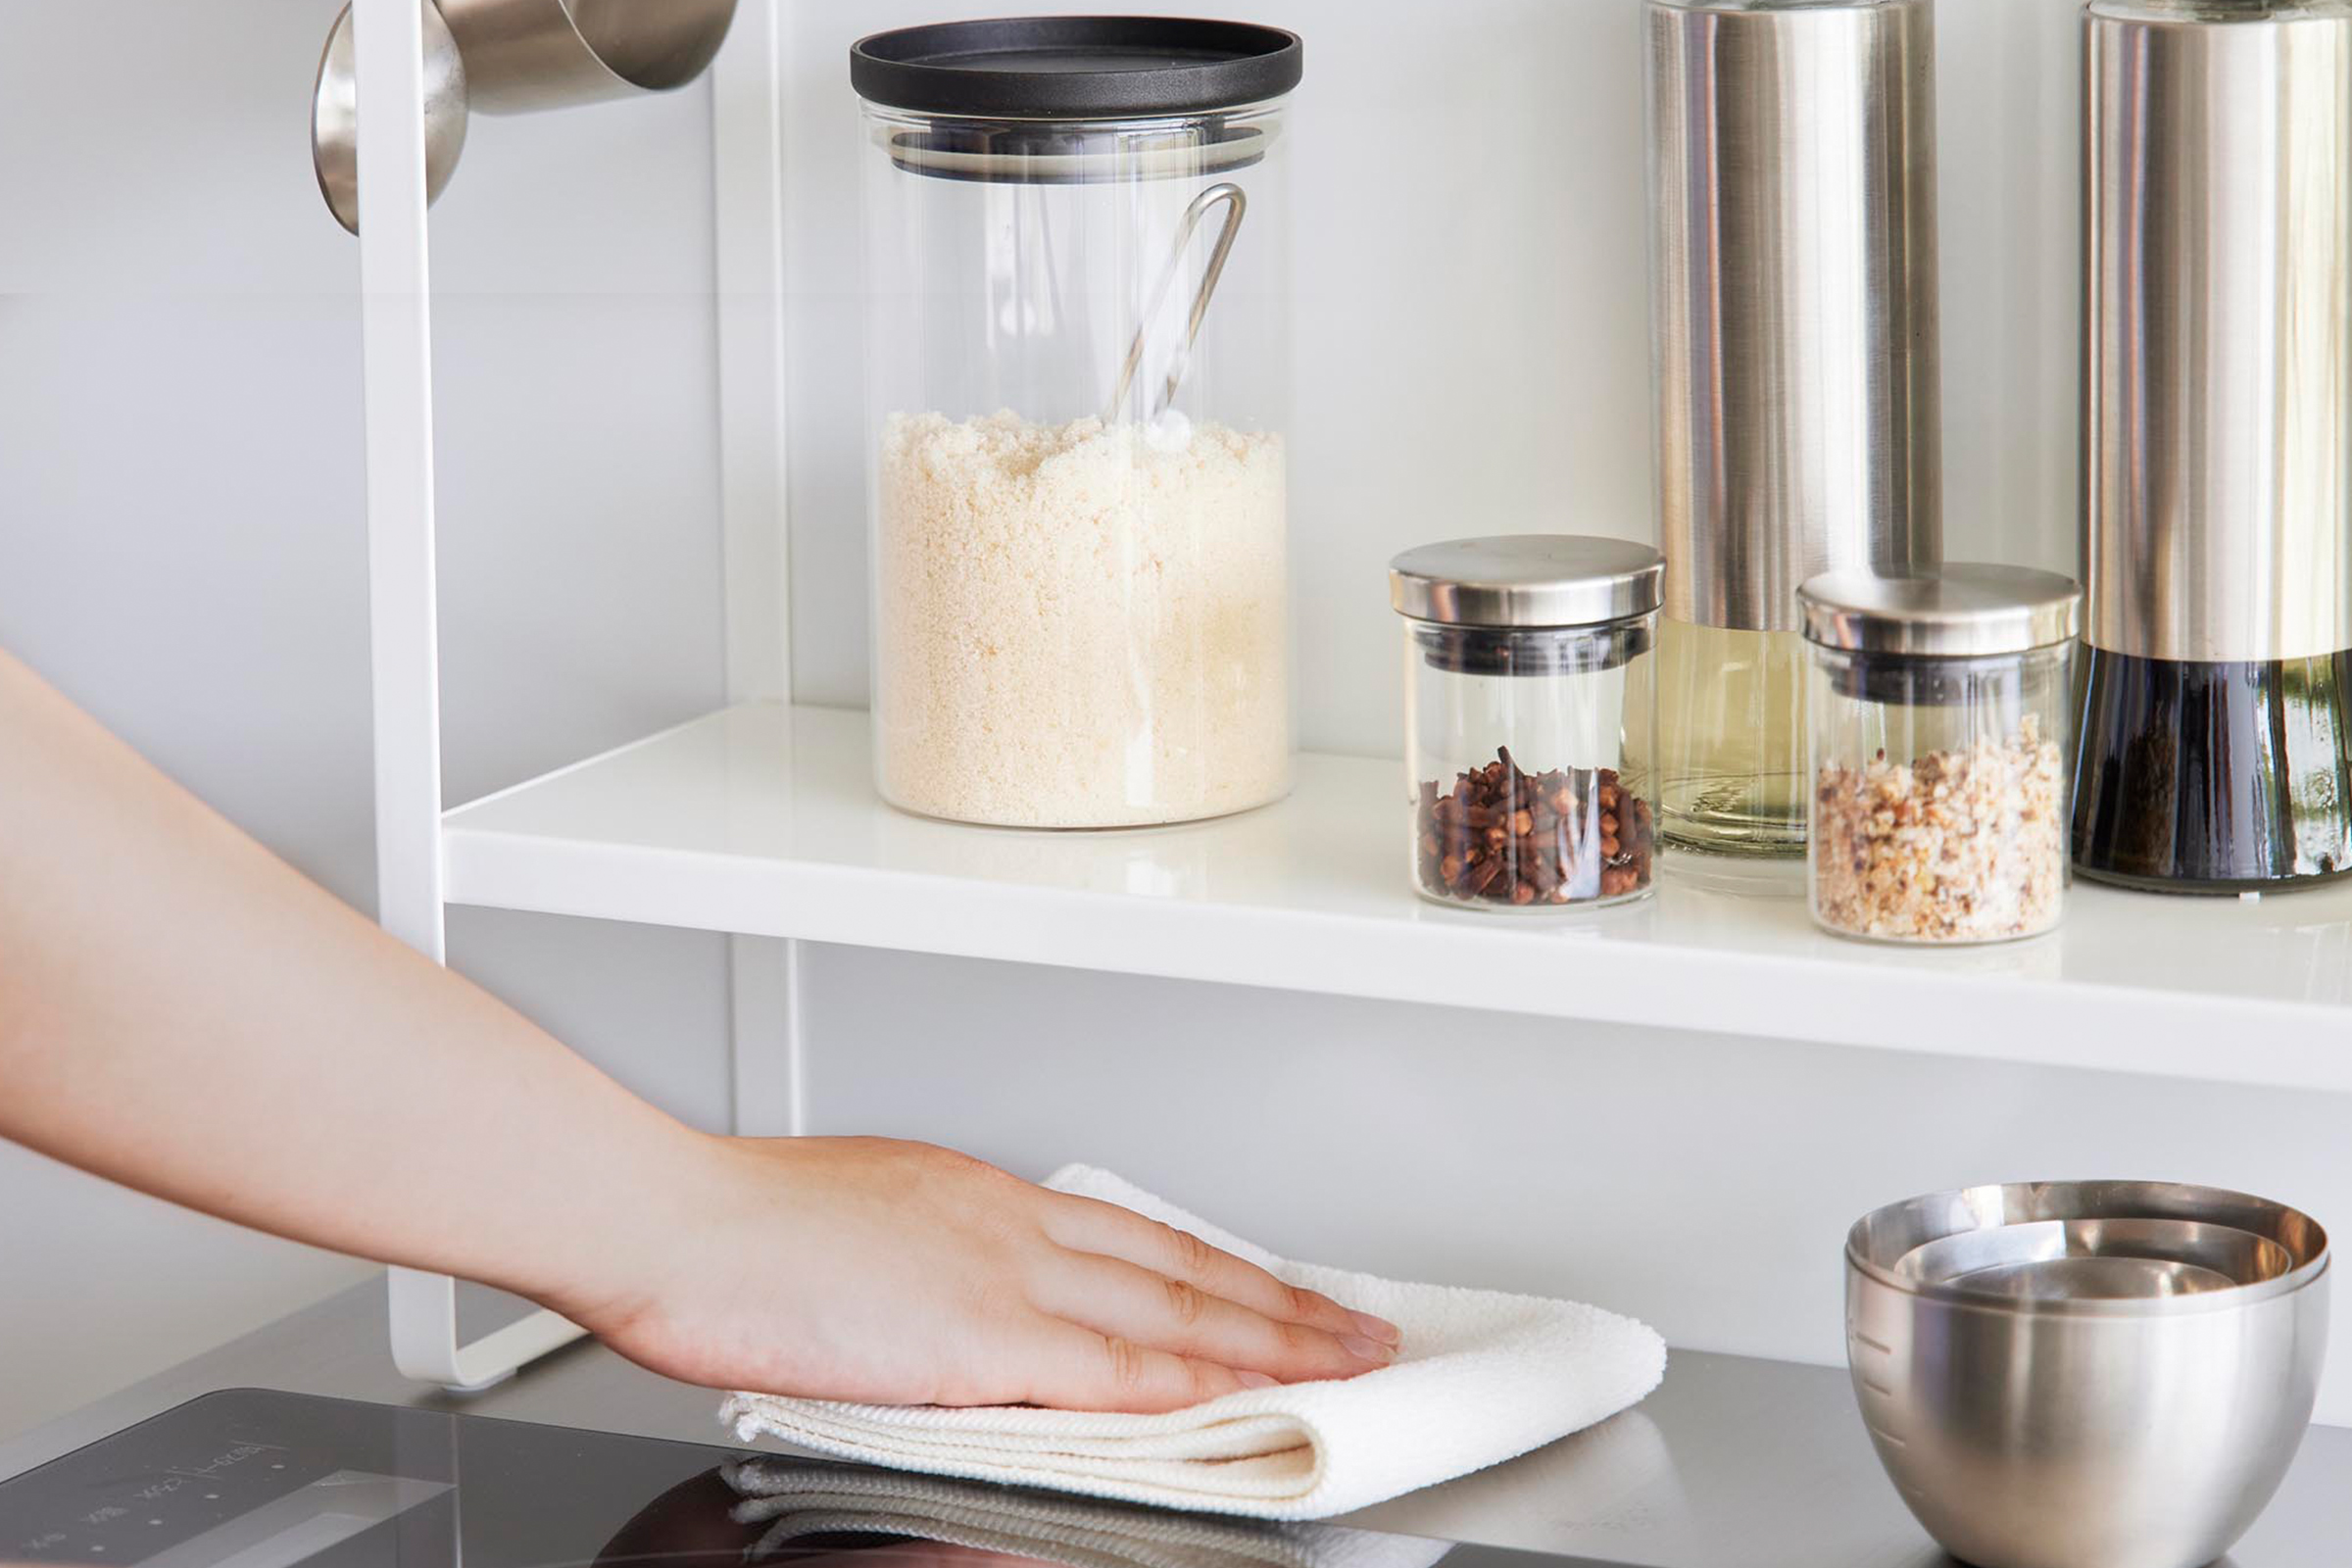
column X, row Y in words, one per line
column 181, row 543
column 1701, row 1182
column 181, row 547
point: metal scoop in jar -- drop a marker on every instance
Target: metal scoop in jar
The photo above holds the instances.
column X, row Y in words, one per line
column 1238, row 201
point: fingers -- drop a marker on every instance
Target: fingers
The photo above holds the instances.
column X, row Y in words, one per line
column 1119, row 1299
column 1085, row 1225
column 1079, row 1369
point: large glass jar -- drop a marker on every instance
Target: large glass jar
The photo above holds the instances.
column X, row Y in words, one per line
column 1531, row 719
column 1938, row 753
column 1078, row 376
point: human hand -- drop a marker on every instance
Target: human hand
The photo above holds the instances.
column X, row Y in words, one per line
column 895, row 1273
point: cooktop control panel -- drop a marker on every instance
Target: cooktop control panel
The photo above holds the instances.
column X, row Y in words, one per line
column 250, row 1479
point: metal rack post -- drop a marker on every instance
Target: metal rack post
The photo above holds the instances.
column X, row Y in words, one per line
column 396, row 317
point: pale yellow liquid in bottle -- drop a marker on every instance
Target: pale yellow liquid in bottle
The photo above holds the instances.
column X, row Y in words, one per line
column 1731, row 732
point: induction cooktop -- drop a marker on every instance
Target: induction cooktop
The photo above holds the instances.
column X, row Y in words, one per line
column 252, row 1479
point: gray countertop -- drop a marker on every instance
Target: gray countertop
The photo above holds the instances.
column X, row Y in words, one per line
column 1733, row 1463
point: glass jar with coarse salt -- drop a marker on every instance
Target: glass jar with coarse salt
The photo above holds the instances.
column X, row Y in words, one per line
column 1531, row 719
column 1938, row 753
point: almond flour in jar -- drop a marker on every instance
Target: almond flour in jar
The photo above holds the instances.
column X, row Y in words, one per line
column 1954, row 846
column 1080, row 626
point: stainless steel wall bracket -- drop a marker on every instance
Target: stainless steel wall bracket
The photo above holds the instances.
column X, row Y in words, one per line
column 511, row 56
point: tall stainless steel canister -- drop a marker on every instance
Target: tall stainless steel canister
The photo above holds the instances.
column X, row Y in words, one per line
column 2216, row 752
column 1793, row 311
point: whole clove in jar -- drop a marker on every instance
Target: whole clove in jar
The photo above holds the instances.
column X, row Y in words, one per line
column 1531, row 719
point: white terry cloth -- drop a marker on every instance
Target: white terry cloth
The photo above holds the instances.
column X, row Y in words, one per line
column 1483, row 1378
column 806, row 1498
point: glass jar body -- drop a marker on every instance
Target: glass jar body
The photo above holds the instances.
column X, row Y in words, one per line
column 1732, row 763
column 1080, row 610
column 1529, row 762
column 2214, row 777
column 1938, row 803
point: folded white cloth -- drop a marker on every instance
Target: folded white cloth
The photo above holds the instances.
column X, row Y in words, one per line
column 800, row 1498
column 1484, row 1377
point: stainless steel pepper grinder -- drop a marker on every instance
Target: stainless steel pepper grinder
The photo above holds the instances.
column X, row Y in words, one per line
column 2215, row 752
column 1795, row 360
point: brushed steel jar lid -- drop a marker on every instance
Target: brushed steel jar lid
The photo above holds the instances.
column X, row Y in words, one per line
column 1967, row 610
column 1536, row 579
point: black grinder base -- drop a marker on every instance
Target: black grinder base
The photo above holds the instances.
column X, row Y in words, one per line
column 2214, row 777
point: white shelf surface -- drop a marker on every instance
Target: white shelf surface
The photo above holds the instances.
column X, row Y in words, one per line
column 761, row 820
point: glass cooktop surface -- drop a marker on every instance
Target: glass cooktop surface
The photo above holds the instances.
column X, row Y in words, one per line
column 249, row 1479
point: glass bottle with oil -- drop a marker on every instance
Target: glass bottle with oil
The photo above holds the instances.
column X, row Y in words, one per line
column 1795, row 360
column 1732, row 739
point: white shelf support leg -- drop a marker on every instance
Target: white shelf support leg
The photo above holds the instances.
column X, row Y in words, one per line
column 746, row 147
column 770, row 1094
column 396, row 325
column 747, row 157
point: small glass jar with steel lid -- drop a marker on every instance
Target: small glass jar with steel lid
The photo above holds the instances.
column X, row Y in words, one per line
column 1938, row 753
column 1531, row 719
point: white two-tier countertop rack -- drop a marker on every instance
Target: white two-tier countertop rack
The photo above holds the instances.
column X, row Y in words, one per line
column 761, row 822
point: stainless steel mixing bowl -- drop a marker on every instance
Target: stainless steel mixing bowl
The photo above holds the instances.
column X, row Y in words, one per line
column 2087, row 1374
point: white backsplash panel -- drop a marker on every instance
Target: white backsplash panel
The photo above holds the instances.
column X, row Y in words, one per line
column 1701, row 1183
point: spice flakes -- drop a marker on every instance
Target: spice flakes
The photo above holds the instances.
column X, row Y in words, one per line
column 1956, row 845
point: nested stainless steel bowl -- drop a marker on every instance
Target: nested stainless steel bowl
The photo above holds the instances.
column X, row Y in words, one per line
column 2087, row 1374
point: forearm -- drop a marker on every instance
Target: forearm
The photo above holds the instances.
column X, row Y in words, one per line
column 182, row 1013
column 282, row 1062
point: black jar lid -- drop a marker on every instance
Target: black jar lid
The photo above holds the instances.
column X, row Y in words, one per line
column 1076, row 67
